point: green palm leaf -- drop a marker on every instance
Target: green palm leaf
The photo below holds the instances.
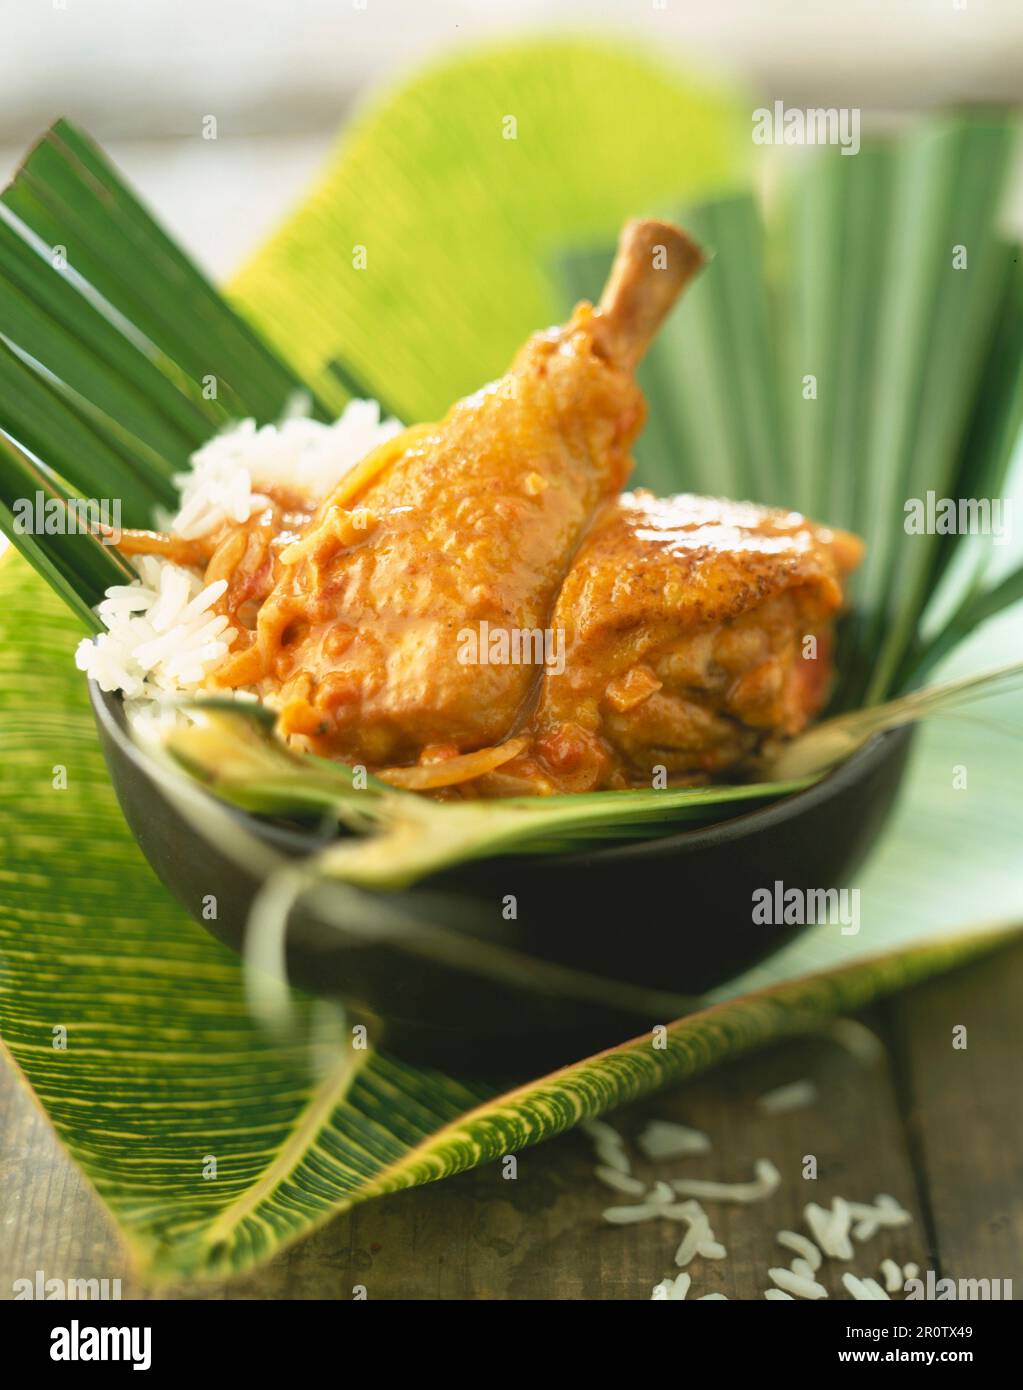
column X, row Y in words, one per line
column 157, row 323
column 76, row 565
column 117, row 358
column 916, row 356
column 164, row 1069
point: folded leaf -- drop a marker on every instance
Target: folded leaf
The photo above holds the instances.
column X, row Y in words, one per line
column 75, row 562
column 165, row 1071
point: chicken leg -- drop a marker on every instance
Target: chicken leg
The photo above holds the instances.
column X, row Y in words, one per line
column 374, row 642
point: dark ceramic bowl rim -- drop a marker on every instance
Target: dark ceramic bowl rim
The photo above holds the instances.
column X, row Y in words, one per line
column 833, row 783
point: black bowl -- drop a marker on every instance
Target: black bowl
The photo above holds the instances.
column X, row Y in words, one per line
column 602, row 945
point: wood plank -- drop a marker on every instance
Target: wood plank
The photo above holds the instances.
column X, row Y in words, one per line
column 965, row 1112
column 539, row 1236
column 542, row 1235
column 50, row 1219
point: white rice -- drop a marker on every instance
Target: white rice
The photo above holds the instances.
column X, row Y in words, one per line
column 699, row 1239
column 161, row 638
column 621, row 1182
column 608, row 1145
column 855, row 1038
column 671, row 1290
column 305, row 456
column 629, row 1216
column 767, row 1180
column 819, row 1221
column 802, row 1245
column 838, row 1230
column 884, row 1213
column 864, row 1290
column 797, row 1095
column 833, row 1228
column 662, row 1139
column 830, row 1229
column 655, row 1208
column 876, row 1292
column 798, row 1287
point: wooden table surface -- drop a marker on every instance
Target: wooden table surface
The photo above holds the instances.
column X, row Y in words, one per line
column 938, row 1128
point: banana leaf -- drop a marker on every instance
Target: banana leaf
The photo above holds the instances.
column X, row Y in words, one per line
column 212, row 1142
column 132, row 1025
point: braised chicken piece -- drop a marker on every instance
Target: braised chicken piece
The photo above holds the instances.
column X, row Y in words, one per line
column 639, row 640
column 245, row 554
column 693, row 628
column 468, row 524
